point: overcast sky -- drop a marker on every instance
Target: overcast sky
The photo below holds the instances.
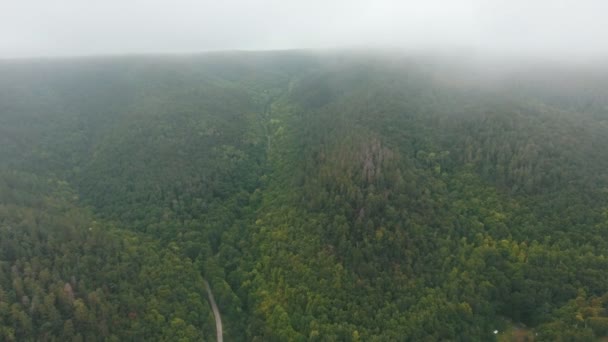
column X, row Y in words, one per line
column 563, row 28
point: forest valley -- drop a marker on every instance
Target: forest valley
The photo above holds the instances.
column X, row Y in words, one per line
column 324, row 196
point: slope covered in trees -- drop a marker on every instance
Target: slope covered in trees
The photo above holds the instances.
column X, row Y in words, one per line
column 335, row 196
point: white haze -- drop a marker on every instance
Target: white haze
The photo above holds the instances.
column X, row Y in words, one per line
column 559, row 30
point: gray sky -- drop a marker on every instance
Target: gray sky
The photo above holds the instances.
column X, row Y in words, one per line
column 563, row 29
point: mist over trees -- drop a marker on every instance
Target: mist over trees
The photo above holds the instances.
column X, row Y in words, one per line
column 323, row 196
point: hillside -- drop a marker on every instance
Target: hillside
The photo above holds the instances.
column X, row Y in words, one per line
column 323, row 196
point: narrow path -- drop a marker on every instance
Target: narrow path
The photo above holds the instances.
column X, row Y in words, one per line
column 216, row 313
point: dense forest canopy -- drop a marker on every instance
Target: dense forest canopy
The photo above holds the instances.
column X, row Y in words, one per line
column 324, row 196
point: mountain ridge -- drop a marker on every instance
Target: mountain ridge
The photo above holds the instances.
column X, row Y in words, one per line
column 323, row 196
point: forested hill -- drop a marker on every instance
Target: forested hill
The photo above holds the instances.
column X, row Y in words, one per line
column 324, row 196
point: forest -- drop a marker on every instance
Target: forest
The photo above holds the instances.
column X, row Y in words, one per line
column 324, row 196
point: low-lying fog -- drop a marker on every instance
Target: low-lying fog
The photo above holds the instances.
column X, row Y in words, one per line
column 552, row 30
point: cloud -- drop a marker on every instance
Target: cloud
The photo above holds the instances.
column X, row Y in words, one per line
column 558, row 29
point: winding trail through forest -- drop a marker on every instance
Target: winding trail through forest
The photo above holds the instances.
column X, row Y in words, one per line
column 216, row 313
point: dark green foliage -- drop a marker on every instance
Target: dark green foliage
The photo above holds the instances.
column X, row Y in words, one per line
column 66, row 276
column 322, row 196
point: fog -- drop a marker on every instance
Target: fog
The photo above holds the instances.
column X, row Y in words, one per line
column 549, row 29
